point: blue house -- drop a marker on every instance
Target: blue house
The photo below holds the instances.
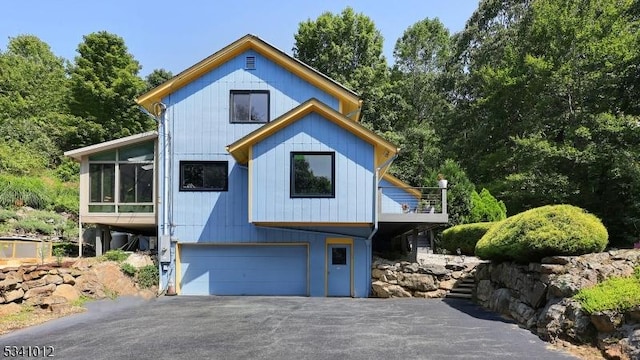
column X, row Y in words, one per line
column 259, row 180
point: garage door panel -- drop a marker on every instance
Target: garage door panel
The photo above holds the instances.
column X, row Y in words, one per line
column 243, row 270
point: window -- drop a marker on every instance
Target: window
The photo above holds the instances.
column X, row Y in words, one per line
column 204, row 175
column 312, row 174
column 249, row 106
column 122, row 180
column 339, row 256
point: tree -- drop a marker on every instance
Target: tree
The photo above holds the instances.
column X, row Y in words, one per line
column 347, row 48
column 421, row 55
column 157, row 77
column 543, row 112
column 104, row 83
column 486, row 208
column 459, row 190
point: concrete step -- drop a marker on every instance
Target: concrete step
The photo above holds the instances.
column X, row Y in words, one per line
column 466, row 285
column 462, row 290
column 459, row 295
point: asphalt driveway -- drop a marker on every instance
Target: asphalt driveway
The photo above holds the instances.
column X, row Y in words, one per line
column 283, row 328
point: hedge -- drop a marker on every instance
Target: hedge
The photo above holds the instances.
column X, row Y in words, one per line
column 464, row 237
column 545, row 231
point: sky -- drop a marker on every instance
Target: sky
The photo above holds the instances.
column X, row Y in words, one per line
column 176, row 34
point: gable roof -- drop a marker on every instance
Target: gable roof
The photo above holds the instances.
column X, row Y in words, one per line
column 349, row 101
column 77, row 154
column 383, row 148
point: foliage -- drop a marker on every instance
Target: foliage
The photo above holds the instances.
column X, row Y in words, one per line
column 116, row 255
column 616, row 294
column 18, row 159
column 157, row 77
column 485, row 207
column 59, row 253
column 148, row 276
column 6, row 215
column 545, row 231
column 68, row 170
column 128, row 269
column 459, row 190
column 34, row 226
column 544, row 106
column 80, row 301
column 104, row 82
column 347, row 47
column 464, row 237
column 69, row 248
column 29, row 191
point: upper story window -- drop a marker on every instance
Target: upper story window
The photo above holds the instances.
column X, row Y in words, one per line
column 313, row 175
column 204, row 175
column 249, row 106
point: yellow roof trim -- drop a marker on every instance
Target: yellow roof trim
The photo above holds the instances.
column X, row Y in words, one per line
column 351, row 101
column 403, row 185
column 240, row 149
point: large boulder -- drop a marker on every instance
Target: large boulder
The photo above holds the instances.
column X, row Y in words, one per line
column 67, row 291
column 546, row 231
column 138, row 260
column 9, row 309
column 419, row 282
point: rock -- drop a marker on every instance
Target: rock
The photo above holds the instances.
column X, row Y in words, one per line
column 39, row 291
column 567, row 285
column 455, row 267
column 420, row 282
column 550, row 321
column 110, row 275
column 377, row 273
column 9, row 282
column 384, row 266
column 67, row 291
column 484, row 290
column 9, row 309
column 521, row 312
column 53, row 271
column 384, row 290
column 390, row 275
column 631, row 345
column 13, row 295
column 457, row 274
column 606, row 321
column 410, row 268
column 138, row 260
column 52, row 300
column 436, row 294
column 83, row 264
column 88, row 284
column 634, row 314
column 34, row 283
column 59, row 308
column 447, row 284
column 579, row 328
column 33, row 275
column 552, row 269
column 433, row 269
column 537, row 295
column 499, row 301
column 559, row 260
column 68, row 279
column 53, row 279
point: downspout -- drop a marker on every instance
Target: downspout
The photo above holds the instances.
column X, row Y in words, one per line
column 376, row 200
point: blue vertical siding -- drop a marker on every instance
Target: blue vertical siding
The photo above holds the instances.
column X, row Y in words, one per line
column 393, row 197
column 198, row 121
column 271, row 174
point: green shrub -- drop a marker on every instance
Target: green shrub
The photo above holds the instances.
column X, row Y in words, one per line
column 29, row 191
column 544, row 231
column 59, row 253
column 6, row 215
column 618, row 294
column 34, row 226
column 116, row 255
column 148, row 276
column 486, row 208
column 464, row 237
column 65, row 198
column 69, row 248
column 128, row 269
column 18, row 159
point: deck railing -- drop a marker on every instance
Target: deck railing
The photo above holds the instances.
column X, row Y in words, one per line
column 412, row 200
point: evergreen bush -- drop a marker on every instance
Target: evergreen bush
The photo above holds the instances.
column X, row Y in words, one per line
column 464, row 237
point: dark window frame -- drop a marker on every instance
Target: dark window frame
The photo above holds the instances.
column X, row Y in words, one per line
column 292, row 193
column 248, row 92
column 204, row 189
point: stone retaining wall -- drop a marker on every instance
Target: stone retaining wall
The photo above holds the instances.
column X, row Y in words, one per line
column 538, row 297
column 405, row 279
column 56, row 288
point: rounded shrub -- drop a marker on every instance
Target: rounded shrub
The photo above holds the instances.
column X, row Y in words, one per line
column 545, row 231
column 464, row 237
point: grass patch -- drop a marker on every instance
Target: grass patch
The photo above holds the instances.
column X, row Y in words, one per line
column 6, row 215
column 19, row 191
column 81, row 301
column 116, row 255
column 617, row 294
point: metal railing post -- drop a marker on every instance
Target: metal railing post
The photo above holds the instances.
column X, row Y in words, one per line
column 444, row 200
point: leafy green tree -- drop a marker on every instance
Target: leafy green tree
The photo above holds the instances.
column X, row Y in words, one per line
column 157, row 77
column 459, row 190
column 348, row 48
column 104, row 83
column 486, row 208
